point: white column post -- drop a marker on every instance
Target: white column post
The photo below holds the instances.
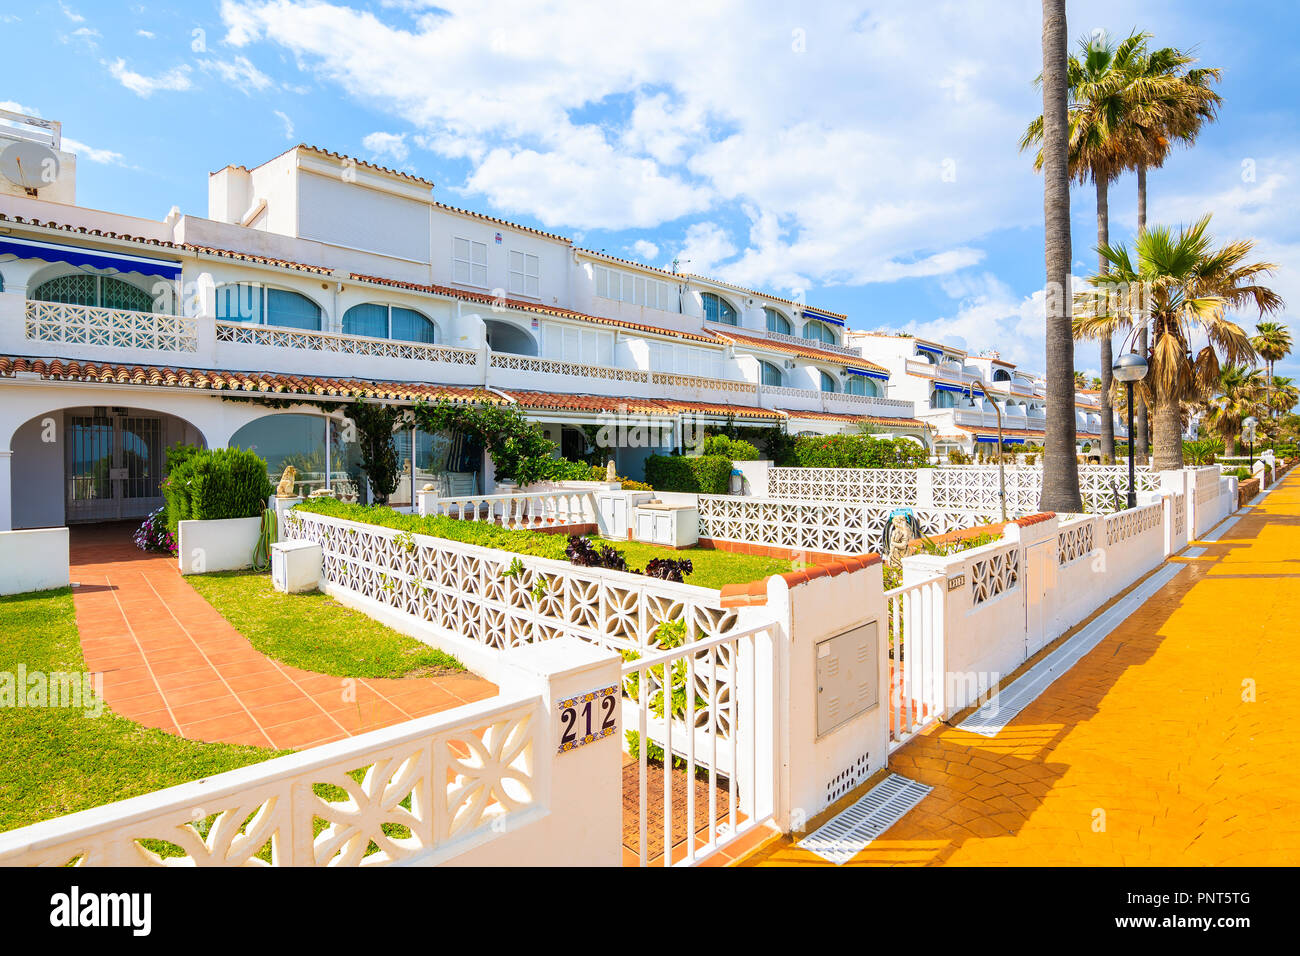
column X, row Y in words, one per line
column 6, row 490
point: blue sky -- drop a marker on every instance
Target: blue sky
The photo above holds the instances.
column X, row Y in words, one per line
column 860, row 154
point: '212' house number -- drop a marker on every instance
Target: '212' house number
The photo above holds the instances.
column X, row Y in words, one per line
column 588, row 717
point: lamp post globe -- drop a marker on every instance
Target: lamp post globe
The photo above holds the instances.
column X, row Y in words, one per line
column 1129, row 368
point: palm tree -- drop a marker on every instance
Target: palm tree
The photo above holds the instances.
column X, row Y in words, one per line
column 1111, row 105
column 1241, row 393
column 1180, row 287
column 1060, row 468
column 1283, row 395
column 1178, row 120
column 1273, row 343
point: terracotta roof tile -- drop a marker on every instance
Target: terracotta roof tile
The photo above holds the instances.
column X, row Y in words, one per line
column 111, row 373
column 361, row 162
column 662, row 407
column 840, row 417
column 808, row 351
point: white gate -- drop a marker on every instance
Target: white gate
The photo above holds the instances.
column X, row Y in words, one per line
column 916, row 664
column 707, row 710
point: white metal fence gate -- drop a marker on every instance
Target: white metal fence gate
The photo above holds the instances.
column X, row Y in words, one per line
column 916, row 665
column 706, row 711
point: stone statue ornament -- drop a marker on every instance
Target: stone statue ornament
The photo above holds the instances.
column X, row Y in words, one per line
column 611, row 473
column 901, row 528
column 287, row 480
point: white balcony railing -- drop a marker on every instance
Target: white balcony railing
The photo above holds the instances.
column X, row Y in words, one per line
column 113, row 328
column 529, row 363
column 240, row 333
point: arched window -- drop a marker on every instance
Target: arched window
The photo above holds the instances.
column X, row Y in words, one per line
column 1001, row 375
column 771, row 374
column 828, row 383
column 248, row 302
column 718, row 309
column 943, row 399
column 776, row 322
column 861, row 385
column 105, row 292
column 818, row 332
column 388, row 322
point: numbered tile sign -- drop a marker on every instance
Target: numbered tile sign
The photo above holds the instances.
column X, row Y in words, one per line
column 587, row 717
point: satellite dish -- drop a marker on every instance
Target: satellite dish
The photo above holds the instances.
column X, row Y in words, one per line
column 30, row 166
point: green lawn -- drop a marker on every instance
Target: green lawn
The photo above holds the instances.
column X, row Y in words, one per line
column 315, row 632
column 55, row 760
column 712, row 568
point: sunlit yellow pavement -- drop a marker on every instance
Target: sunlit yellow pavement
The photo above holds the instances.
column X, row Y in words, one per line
column 1175, row 742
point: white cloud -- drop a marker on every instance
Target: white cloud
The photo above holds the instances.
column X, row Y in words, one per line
column 144, row 33
column 886, row 151
column 239, row 73
column 105, row 157
column 176, row 79
column 288, row 123
column 645, row 249
column 391, row 145
column 71, row 14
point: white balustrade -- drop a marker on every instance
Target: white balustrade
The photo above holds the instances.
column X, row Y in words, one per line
column 114, row 328
column 523, row 510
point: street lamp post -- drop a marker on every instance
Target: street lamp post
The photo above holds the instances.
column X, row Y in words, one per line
column 1248, row 427
column 1128, row 369
column 1002, row 475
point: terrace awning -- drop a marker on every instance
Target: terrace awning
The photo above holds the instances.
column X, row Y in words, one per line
column 1005, row 441
column 79, row 256
column 829, row 319
column 930, row 349
column 960, row 389
column 883, row 376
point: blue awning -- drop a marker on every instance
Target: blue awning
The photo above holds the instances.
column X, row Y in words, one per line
column 961, row 389
column 883, row 376
column 77, row 256
column 1005, row 441
column 927, row 348
column 809, row 314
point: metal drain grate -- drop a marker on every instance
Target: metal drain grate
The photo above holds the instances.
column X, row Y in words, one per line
column 851, row 830
column 990, row 719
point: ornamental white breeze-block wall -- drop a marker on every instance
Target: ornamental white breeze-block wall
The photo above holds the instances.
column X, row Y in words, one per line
column 482, row 784
column 1004, row 602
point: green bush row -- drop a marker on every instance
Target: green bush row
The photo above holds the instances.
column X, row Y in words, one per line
column 705, row 474
column 480, row 533
column 733, row 449
column 207, row 484
column 858, row 451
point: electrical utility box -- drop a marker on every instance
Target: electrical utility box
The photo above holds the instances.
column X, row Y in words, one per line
column 848, row 676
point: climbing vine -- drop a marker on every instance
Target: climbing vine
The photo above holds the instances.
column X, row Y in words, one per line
column 375, row 424
column 519, row 450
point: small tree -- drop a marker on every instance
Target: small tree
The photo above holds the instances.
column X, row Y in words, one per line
column 375, row 424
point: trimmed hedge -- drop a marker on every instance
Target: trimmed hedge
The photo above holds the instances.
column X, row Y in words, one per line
column 211, row 483
column 482, row 533
column 858, row 451
column 704, row 475
column 733, row 449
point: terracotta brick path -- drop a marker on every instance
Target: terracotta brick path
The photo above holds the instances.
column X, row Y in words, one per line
column 171, row 661
column 1146, row 752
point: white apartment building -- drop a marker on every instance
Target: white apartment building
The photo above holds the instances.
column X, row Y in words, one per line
column 961, row 396
column 316, row 279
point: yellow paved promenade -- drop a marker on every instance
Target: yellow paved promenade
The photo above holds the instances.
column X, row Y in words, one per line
column 1175, row 742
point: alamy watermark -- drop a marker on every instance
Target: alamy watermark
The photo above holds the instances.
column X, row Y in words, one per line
column 72, row 690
